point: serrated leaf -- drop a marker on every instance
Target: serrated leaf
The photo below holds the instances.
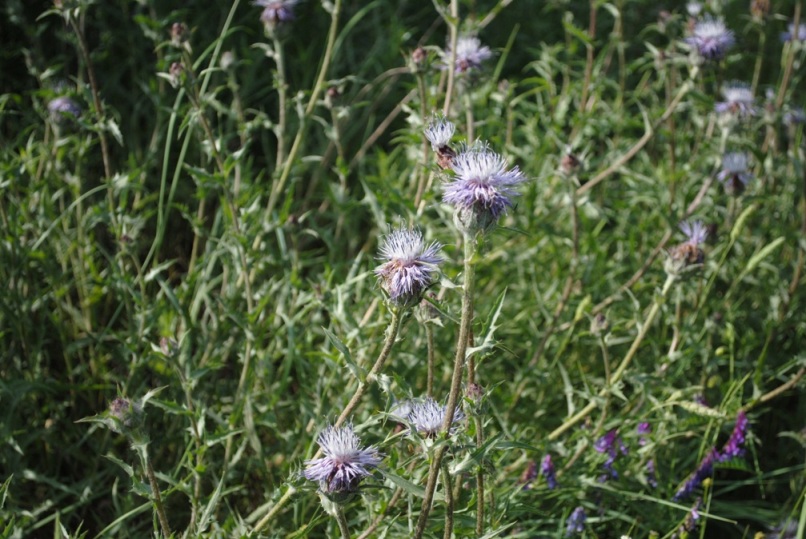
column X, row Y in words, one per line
column 489, row 329
column 126, row 467
column 212, row 505
column 356, row 371
column 408, row 486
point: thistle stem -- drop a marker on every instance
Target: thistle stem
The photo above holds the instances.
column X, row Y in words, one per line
column 446, row 485
column 342, row 520
column 155, row 489
column 453, row 397
column 276, row 509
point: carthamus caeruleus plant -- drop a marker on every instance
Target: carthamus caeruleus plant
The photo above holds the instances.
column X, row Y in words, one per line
column 127, row 417
column 480, row 187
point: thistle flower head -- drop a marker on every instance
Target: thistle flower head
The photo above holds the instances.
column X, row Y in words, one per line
column 693, row 8
column 62, row 108
column 276, row 12
column 738, row 100
column 345, row 463
column 124, row 416
column 439, row 132
column 470, row 53
column 576, row 522
column 482, row 189
column 711, row 39
column 794, row 34
column 695, row 232
column 428, row 415
column 410, row 266
column 548, row 472
column 734, row 174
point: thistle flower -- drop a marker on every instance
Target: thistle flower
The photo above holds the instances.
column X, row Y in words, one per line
column 276, row 12
column 483, row 188
column 693, row 8
column 470, row 53
column 738, row 100
column 734, row 174
column 711, row 39
column 794, row 35
column 689, row 252
column 427, row 417
column 124, row 416
column 547, row 471
column 410, row 266
column 62, row 108
column 345, row 463
column 576, row 522
column 702, row 472
column 733, row 447
column 439, row 133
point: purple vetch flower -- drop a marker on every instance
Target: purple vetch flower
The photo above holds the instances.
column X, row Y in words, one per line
column 690, row 523
column 276, row 11
column 428, row 415
column 794, row 35
column 439, row 133
column 547, row 471
column 651, row 479
column 734, row 174
column 711, row 39
column 62, row 108
column 702, row 472
column 529, row 474
column 410, row 266
column 470, row 53
column 643, row 430
column 733, row 447
column 576, row 522
column 345, row 463
column 794, row 116
column 738, row 100
column 610, row 444
column 482, row 189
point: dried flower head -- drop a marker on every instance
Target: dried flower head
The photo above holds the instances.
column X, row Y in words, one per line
column 179, row 34
column 482, row 189
column 569, row 164
column 345, row 463
column 759, row 8
column 794, row 34
column 439, row 133
column 470, row 53
column 63, row 110
column 427, row 416
column 576, row 522
column 735, row 173
column 711, row 39
column 175, row 73
column 739, row 100
column 410, row 266
column 276, row 12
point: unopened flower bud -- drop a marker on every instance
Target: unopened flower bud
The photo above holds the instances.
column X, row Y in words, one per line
column 179, row 34
column 599, row 324
column 176, row 71
column 569, row 164
column 125, row 416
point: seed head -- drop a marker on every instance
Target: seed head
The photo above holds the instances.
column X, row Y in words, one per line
column 410, row 266
column 345, row 463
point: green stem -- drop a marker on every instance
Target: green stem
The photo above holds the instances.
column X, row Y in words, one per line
column 342, row 520
column 453, row 397
column 282, row 93
column 446, row 485
column 429, row 336
column 479, row 480
column 653, row 312
column 454, row 37
column 276, row 509
column 155, row 489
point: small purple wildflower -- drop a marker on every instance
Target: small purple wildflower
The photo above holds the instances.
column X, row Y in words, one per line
column 734, row 174
column 345, row 463
column 547, row 471
column 690, row 523
column 643, row 430
column 529, row 474
column 611, row 444
column 410, row 266
column 733, row 447
column 711, row 38
column 794, row 35
column 125, row 416
column 482, row 189
column 786, row 529
column 428, row 415
column 700, row 474
column 738, row 100
column 470, row 53
column 276, row 12
column 651, row 479
column 576, row 522
column 61, row 108
column 794, row 116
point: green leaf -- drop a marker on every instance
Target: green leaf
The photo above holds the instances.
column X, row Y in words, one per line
column 488, row 343
column 408, row 486
column 357, row 371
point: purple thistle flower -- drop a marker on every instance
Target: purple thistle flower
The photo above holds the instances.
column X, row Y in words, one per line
column 695, row 232
column 576, row 522
column 733, row 447
column 738, row 100
column 61, row 108
column 547, row 471
column 483, row 187
column 345, row 464
column 734, row 174
column 427, row 417
column 276, row 11
column 711, row 39
column 794, row 35
column 410, row 266
column 470, row 53
column 700, row 474
column 439, row 133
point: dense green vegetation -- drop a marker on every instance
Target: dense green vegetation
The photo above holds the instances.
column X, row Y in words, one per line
column 197, row 199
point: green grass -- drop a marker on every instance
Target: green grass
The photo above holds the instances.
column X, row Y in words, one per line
column 210, row 245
